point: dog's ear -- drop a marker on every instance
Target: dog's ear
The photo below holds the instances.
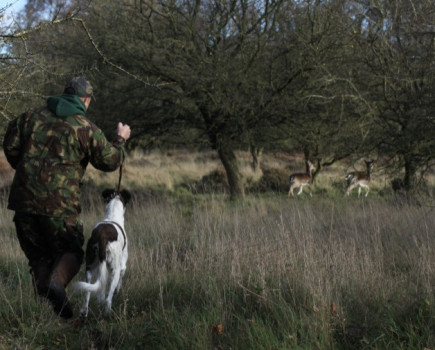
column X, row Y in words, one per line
column 108, row 194
column 126, row 196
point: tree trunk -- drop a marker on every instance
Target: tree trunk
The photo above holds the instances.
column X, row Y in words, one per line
column 410, row 171
column 256, row 153
column 229, row 161
column 225, row 151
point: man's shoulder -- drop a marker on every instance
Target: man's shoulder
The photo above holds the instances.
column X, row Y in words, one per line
column 83, row 121
column 32, row 111
column 76, row 119
column 43, row 115
column 32, row 114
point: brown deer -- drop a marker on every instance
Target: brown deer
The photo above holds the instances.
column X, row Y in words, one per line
column 300, row 180
column 359, row 179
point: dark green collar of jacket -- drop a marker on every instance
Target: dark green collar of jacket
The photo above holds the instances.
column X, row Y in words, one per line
column 66, row 105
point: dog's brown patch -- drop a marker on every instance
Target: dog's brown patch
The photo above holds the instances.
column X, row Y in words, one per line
column 101, row 235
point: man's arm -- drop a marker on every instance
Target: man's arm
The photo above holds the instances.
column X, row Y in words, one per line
column 12, row 141
column 108, row 156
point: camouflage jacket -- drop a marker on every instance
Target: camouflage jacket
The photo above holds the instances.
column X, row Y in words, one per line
column 50, row 154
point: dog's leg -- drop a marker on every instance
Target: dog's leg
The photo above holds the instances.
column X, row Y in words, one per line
column 85, row 307
column 116, row 274
column 102, row 275
column 121, row 276
column 123, row 268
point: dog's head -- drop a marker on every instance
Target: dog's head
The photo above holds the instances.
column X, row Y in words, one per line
column 108, row 194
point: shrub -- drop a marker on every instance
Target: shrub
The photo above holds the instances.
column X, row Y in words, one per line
column 215, row 181
column 273, row 179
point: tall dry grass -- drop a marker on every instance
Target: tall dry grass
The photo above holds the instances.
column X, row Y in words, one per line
column 353, row 254
column 266, row 273
column 284, row 263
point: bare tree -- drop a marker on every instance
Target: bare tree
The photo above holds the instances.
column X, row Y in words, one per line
column 398, row 49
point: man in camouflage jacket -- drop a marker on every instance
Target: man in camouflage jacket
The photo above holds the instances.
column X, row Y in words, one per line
column 50, row 148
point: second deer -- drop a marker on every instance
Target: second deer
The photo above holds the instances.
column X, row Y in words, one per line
column 300, row 180
column 359, row 179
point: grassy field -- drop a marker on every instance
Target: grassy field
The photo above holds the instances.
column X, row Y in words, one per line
column 271, row 272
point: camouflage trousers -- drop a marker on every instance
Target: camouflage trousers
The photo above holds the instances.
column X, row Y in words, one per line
column 45, row 239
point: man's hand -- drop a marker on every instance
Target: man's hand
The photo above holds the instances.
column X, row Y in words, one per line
column 124, row 131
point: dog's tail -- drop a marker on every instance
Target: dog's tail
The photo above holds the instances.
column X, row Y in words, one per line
column 99, row 286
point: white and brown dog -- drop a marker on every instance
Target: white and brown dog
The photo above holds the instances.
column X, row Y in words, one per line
column 106, row 253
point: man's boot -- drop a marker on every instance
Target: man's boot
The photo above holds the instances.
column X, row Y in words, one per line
column 63, row 272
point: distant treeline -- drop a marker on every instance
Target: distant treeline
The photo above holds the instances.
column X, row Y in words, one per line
column 333, row 79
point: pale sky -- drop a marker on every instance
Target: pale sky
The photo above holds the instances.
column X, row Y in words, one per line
column 11, row 11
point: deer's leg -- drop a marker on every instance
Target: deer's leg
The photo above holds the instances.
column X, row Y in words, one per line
column 350, row 188
column 301, row 187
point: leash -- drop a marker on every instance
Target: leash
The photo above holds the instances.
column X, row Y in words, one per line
column 120, row 177
column 113, row 222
